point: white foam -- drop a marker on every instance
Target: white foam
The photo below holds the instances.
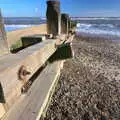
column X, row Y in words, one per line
column 107, row 25
column 98, row 29
column 95, row 18
column 16, row 27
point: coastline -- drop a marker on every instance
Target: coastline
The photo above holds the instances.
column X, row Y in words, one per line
column 90, row 87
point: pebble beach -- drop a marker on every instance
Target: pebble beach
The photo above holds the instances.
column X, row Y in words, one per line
column 89, row 84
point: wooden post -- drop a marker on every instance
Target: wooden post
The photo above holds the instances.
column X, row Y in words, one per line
column 3, row 38
column 53, row 17
column 64, row 23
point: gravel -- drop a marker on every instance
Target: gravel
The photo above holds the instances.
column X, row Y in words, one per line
column 89, row 84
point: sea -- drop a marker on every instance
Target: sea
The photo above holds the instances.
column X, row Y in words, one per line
column 94, row 26
column 16, row 23
column 102, row 26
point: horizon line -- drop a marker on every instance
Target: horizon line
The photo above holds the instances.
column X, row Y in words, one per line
column 70, row 16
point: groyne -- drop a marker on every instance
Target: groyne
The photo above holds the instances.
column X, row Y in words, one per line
column 28, row 77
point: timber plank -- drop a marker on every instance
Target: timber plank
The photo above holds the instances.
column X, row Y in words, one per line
column 31, row 105
column 32, row 57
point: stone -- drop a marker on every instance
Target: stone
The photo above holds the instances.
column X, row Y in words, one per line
column 53, row 17
column 3, row 38
column 64, row 23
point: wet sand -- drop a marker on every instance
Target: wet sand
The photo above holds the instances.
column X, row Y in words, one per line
column 89, row 84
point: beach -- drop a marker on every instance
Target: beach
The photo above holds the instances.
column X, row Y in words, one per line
column 89, row 84
column 14, row 36
column 60, row 60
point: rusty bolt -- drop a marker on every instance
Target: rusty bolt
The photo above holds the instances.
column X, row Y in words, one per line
column 22, row 73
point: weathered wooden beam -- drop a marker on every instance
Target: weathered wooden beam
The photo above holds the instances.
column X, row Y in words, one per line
column 32, row 59
column 3, row 39
column 32, row 105
column 53, row 17
column 31, row 40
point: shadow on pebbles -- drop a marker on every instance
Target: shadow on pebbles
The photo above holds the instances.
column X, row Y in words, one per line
column 89, row 84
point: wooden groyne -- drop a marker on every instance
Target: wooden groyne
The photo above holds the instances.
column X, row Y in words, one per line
column 28, row 77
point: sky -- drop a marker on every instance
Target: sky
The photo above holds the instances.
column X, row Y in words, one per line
column 75, row 8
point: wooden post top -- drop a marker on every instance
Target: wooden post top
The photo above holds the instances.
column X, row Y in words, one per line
column 53, row 17
column 52, row 2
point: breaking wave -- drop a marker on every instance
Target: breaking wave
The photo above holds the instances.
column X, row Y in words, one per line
column 99, row 29
column 16, row 27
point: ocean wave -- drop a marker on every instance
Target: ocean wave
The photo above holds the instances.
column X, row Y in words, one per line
column 95, row 25
column 107, row 25
column 84, row 25
column 16, row 27
column 95, row 18
column 99, row 29
column 13, row 25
